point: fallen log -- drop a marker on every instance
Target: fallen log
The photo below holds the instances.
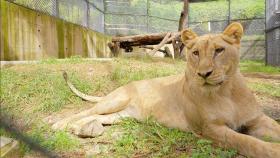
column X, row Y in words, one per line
column 139, row 40
column 166, row 50
column 152, row 47
column 163, row 42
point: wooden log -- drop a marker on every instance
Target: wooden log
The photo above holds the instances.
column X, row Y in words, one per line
column 138, row 40
column 163, row 42
column 151, row 47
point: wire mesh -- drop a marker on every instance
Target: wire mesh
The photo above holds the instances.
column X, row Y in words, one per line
column 123, row 24
column 74, row 11
column 87, row 13
column 45, row 6
column 98, row 4
column 127, row 17
column 130, row 17
column 273, row 32
column 95, row 19
column 273, row 47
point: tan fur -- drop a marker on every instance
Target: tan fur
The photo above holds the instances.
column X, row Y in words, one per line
column 218, row 107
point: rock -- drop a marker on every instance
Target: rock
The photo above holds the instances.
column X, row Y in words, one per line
column 9, row 148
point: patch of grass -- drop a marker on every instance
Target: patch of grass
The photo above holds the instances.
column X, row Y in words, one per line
column 258, row 66
column 42, row 134
column 71, row 60
column 124, row 72
column 58, row 141
column 39, row 89
column 150, row 139
column 253, row 37
column 266, row 88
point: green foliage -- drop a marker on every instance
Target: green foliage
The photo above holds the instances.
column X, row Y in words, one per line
column 257, row 66
column 71, row 60
column 123, row 74
column 48, row 139
column 266, row 88
column 59, row 141
column 40, row 88
column 218, row 10
column 151, row 139
column 209, row 10
column 247, row 9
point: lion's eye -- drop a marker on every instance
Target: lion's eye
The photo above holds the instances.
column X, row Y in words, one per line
column 196, row 53
column 219, row 50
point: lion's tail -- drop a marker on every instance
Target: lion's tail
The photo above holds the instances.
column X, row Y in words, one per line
column 79, row 93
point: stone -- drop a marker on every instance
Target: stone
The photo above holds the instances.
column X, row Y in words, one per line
column 9, row 148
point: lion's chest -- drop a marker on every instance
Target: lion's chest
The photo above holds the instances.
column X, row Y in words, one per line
column 226, row 111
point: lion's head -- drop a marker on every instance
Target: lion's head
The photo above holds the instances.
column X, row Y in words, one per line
column 213, row 58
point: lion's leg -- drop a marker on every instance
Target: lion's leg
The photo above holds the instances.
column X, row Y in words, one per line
column 244, row 144
column 112, row 103
column 265, row 128
column 92, row 126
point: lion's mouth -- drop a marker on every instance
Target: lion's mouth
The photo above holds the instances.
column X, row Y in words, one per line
column 211, row 84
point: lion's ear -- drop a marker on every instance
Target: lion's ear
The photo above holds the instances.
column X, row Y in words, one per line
column 233, row 33
column 187, row 35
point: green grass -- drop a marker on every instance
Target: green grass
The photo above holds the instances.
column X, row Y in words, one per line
column 253, row 37
column 123, row 74
column 266, row 88
column 57, row 141
column 71, row 60
column 258, row 66
column 32, row 92
column 150, row 139
column 39, row 88
column 41, row 133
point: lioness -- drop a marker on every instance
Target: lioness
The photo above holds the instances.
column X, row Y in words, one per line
column 211, row 99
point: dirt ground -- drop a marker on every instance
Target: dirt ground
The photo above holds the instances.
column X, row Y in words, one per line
column 270, row 104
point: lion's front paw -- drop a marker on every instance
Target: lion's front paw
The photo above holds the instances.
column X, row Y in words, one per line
column 90, row 129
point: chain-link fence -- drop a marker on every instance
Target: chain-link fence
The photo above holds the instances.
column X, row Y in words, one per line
column 87, row 13
column 129, row 17
column 273, row 32
column 126, row 17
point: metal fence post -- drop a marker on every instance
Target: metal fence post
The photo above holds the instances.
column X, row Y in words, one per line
column 229, row 9
column 265, row 33
column 148, row 6
column 57, row 8
column 104, row 13
column 88, row 14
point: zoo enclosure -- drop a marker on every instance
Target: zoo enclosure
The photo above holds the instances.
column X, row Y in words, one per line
column 273, row 32
column 129, row 17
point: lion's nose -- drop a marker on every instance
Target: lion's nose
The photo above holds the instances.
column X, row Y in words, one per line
column 205, row 74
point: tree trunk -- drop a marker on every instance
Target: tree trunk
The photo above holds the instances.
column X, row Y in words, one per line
column 184, row 16
column 178, row 47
